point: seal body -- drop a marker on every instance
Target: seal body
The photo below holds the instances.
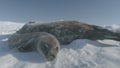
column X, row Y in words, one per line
column 43, row 42
column 67, row 31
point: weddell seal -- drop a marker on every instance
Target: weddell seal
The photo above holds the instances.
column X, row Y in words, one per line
column 67, row 31
column 43, row 42
column 30, row 36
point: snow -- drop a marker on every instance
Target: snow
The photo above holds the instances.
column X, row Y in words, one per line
column 81, row 53
column 114, row 27
column 9, row 27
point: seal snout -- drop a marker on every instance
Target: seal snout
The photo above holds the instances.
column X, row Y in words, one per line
column 51, row 57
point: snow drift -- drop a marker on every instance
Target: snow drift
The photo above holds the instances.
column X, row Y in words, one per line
column 81, row 53
column 114, row 27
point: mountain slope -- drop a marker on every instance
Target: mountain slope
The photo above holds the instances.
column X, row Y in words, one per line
column 81, row 53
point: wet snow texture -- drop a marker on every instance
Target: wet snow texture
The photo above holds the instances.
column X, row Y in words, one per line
column 81, row 53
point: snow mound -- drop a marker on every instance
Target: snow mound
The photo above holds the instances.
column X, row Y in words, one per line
column 9, row 27
column 114, row 27
column 81, row 53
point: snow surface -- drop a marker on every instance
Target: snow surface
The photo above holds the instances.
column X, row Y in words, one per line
column 81, row 53
column 114, row 27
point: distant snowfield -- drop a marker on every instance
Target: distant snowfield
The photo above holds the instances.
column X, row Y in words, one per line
column 81, row 53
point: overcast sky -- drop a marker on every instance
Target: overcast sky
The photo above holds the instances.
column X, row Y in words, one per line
column 91, row 11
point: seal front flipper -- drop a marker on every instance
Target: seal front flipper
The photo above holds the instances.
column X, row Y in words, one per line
column 27, row 47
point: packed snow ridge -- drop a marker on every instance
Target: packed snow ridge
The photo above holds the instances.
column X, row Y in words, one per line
column 81, row 53
column 114, row 27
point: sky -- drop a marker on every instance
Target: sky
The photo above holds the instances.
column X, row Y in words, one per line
column 98, row 12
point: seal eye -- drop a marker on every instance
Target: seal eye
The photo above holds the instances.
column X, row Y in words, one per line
column 56, row 48
column 45, row 48
column 46, row 45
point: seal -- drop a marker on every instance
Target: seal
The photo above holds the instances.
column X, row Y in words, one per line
column 30, row 38
column 42, row 42
column 67, row 31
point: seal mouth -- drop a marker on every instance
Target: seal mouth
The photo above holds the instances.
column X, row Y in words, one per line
column 51, row 57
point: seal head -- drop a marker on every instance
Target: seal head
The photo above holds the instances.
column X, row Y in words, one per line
column 48, row 46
